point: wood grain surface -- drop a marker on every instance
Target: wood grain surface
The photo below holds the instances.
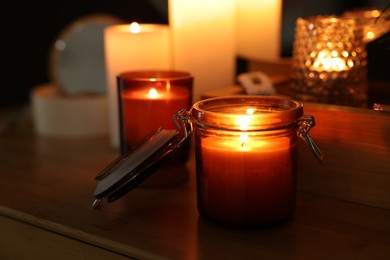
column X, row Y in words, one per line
column 342, row 209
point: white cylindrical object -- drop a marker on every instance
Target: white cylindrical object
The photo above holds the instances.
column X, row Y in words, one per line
column 68, row 116
column 259, row 29
column 126, row 51
column 203, row 40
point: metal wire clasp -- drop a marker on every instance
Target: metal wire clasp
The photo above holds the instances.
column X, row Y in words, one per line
column 305, row 124
column 182, row 120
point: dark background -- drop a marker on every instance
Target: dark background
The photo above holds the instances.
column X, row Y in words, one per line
column 30, row 28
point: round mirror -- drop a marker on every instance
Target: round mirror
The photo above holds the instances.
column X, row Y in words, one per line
column 77, row 64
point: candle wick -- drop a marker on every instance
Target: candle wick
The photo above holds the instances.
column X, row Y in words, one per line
column 243, row 138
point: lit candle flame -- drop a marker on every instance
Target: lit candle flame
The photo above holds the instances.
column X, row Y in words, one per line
column 153, row 93
column 135, row 28
column 331, row 61
column 168, row 86
column 244, row 122
column 250, row 111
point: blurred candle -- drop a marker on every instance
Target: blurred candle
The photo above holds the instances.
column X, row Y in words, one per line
column 259, row 29
column 147, row 108
column 132, row 47
column 149, row 99
column 203, row 41
column 332, row 61
column 329, row 61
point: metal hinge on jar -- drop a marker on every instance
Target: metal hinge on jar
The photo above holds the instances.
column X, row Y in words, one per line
column 182, row 120
column 305, row 124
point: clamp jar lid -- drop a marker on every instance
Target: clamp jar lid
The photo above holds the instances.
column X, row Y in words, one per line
column 132, row 168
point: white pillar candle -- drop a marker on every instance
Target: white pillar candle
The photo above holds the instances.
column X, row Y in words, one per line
column 148, row 48
column 203, row 41
column 259, row 29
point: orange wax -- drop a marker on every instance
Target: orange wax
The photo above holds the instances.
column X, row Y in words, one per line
column 143, row 112
column 246, row 182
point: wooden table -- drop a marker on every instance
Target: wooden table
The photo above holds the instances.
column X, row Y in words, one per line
column 47, row 185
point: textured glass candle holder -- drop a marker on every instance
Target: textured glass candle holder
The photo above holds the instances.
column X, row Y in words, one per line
column 329, row 61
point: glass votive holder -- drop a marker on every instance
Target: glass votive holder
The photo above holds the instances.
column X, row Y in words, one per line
column 149, row 100
column 246, row 157
column 329, row 61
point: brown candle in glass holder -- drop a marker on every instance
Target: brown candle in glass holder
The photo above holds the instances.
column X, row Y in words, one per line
column 149, row 100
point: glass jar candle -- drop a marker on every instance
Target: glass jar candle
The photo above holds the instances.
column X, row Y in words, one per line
column 246, row 157
column 148, row 100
